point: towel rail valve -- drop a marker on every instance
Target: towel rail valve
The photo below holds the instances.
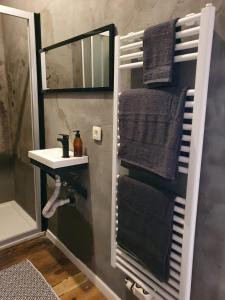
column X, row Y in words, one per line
column 138, row 291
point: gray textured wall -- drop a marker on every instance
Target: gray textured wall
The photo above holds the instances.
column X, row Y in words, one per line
column 86, row 230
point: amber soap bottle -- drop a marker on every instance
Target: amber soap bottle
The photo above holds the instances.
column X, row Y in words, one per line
column 77, row 144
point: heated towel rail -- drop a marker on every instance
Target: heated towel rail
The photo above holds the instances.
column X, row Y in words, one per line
column 196, row 35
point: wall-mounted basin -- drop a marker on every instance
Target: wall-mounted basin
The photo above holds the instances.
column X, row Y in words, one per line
column 53, row 158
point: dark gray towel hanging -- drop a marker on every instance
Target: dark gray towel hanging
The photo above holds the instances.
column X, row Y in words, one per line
column 158, row 57
column 150, row 127
column 145, row 217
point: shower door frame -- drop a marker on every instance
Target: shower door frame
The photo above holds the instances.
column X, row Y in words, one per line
column 30, row 17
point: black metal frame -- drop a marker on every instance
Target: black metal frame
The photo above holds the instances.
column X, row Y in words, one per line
column 111, row 29
column 43, row 199
column 65, row 173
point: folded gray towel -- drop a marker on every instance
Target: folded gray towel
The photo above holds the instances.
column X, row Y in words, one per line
column 145, row 217
column 150, row 127
column 158, row 58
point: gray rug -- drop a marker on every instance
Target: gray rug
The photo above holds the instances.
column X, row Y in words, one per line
column 23, row 281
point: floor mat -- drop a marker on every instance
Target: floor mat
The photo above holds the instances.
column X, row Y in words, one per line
column 23, row 281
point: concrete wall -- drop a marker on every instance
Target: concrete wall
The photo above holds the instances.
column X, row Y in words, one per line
column 86, row 229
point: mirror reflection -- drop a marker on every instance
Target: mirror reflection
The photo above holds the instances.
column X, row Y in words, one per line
column 84, row 63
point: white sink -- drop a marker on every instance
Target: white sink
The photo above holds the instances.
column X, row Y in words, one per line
column 53, row 158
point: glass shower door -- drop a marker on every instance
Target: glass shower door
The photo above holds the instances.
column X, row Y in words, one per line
column 19, row 180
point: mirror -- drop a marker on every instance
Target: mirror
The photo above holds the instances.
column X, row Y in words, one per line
column 82, row 63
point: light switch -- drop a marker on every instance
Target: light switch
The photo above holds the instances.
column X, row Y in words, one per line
column 97, row 133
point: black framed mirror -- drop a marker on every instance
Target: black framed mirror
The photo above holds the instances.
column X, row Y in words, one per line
column 80, row 64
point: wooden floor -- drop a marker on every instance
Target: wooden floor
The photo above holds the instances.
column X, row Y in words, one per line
column 67, row 281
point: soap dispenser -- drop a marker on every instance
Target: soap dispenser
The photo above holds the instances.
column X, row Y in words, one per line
column 77, row 144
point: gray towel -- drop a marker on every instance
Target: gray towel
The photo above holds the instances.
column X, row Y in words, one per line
column 150, row 128
column 158, row 58
column 145, row 218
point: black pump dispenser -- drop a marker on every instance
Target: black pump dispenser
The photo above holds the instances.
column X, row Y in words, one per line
column 77, row 133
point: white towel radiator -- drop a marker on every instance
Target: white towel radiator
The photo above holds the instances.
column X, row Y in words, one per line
column 196, row 33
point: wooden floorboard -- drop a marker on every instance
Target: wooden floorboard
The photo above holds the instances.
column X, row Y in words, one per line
column 64, row 277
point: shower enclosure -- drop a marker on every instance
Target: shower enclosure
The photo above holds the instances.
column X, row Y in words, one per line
column 19, row 181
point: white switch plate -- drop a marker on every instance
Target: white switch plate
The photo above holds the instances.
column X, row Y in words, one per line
column 97, row 133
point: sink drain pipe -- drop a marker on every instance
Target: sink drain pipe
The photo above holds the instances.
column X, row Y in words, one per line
column 53, row 202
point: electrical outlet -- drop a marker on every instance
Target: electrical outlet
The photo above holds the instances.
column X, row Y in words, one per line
column 97, row 133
